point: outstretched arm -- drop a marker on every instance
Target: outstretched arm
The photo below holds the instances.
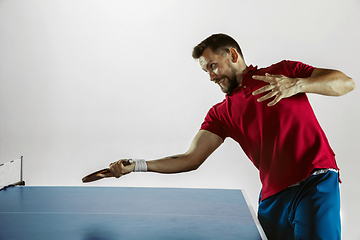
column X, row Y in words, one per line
column 322, row 81
column 327, row 82
column 200, row 149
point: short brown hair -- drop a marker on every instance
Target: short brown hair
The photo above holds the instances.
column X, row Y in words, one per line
column 216, row 42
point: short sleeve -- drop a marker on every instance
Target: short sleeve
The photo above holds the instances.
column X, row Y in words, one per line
column 212, row 124
column 299, row 69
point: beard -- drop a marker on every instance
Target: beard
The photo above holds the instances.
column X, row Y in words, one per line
column 233, row 84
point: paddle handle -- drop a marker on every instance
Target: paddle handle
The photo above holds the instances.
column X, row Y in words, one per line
column 125, row 163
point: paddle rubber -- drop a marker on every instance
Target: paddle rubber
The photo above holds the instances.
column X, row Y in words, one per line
column 96, row 175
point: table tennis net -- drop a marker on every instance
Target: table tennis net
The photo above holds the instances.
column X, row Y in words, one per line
column 11, row 173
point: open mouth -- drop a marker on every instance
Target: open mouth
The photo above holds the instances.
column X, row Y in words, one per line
column 220, row 82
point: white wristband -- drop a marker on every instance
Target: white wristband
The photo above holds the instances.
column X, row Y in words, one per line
column 140, row 165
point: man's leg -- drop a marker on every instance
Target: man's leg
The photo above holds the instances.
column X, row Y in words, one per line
column 308, row 211
column 273, row 216
column 317, row 213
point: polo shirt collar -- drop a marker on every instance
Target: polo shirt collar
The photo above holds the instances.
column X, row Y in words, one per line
column 251, row 68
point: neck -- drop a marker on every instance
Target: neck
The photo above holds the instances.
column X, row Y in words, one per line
column 239, row 76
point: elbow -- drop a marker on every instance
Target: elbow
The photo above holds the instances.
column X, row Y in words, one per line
column 195, row 166
column 343, row 84
column 349, row 86
column 194, row 162
column 352, row 85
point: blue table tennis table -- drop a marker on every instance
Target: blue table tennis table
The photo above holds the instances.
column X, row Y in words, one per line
column 109, row 213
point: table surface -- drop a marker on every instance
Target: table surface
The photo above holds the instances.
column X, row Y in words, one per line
column 107, row 213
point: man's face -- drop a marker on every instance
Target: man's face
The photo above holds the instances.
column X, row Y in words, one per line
column 220, row 69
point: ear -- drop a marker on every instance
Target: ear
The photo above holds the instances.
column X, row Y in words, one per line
column 234, row 55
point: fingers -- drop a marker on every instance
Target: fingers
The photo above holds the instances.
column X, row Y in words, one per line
column 263, row 89
column 267, row 96
column 279, row 86
column 115, row 168
column 272, row 79
column 275, row 101
column 262, row 78
column 278, row 97
column 269, row 78
column 118, row 168
column 270, row 87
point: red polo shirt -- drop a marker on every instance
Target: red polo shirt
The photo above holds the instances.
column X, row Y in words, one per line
column 285, row 142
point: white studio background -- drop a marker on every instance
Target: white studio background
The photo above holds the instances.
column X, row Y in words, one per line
column 85, row 83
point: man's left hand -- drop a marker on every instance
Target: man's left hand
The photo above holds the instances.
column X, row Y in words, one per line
column 279, row 86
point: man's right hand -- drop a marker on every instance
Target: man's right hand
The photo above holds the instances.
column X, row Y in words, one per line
column 117, row 169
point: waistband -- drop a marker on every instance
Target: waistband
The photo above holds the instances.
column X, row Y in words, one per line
column 315, row 172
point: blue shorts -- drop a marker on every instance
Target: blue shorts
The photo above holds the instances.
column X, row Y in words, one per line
column 310, row 210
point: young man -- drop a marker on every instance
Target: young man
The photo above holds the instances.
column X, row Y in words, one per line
column 267, row 112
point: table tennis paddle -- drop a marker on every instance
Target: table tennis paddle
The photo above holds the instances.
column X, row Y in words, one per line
column 97, row 175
